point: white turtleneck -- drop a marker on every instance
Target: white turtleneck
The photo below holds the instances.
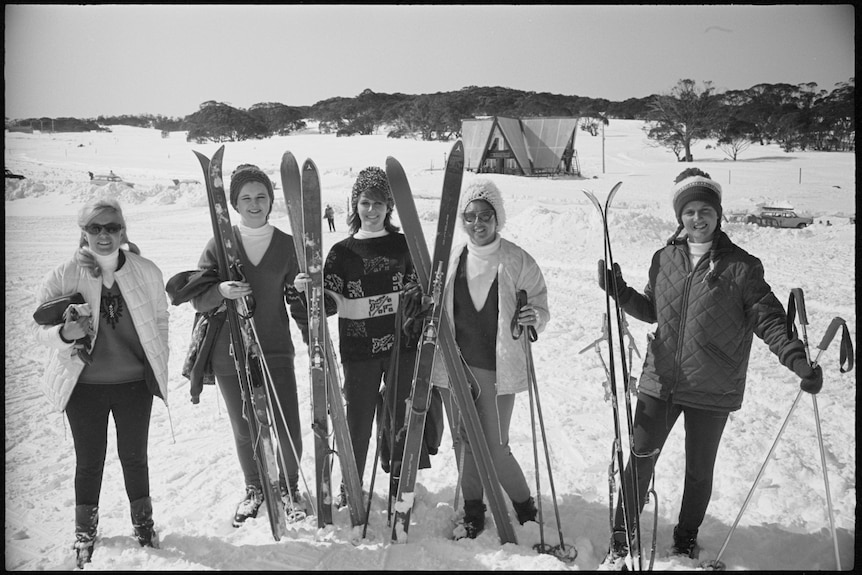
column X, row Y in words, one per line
column 697, row 251
column 108, row 265
column 255, row 241
column 363, row 235
column 481, row 270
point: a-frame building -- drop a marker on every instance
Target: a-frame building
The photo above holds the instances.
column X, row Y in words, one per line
column 526, row 146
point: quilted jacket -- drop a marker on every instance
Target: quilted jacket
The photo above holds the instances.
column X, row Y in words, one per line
column 707, row 316
column 144, row 291
column 517, row 270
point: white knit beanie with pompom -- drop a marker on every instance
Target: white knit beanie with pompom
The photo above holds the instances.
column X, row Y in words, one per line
column 484, row 189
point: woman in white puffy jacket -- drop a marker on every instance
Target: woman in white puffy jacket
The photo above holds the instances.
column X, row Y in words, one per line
column 110, row 361
column 484, row 277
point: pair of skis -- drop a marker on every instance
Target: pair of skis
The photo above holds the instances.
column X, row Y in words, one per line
column 615, row 325
column 255, row 379
column 438, row 330
column 302, row 198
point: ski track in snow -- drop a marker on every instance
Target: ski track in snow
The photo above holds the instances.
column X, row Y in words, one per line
column 195, row 479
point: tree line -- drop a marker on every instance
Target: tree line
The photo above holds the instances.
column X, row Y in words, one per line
column 797, row 117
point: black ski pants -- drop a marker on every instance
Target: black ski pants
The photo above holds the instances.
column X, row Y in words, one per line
column 88, row 410
column 653, row 421
column 362, row 381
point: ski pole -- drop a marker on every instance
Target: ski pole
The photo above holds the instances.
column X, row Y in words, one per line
column 716, row 564
column 803, row 321
column 565, row 552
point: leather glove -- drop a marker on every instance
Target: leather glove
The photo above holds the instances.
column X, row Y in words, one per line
column 811, row 377
column 606, row 278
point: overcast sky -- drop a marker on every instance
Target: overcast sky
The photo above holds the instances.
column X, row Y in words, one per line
column 86, row 61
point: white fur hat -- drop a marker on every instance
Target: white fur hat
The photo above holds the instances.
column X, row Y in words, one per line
column 486, row 190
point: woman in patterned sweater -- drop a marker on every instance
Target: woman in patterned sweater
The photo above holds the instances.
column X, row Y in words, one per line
column 365, row 275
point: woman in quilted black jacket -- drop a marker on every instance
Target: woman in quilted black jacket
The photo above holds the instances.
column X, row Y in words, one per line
column 708, row 298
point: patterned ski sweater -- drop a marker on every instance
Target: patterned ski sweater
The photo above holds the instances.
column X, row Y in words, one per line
column 365, row 277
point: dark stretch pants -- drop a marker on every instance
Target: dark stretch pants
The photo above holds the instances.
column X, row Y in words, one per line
column 87, row 411
column 284, row 381
column 361, row 389
column 653, row 422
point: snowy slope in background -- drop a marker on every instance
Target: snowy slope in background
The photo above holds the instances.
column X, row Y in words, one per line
column 195, row 478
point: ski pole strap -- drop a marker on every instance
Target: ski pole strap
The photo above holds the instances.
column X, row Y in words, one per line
column 517, row 328
column 846, row 352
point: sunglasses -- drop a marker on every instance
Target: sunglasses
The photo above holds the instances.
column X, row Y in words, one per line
column 484, row 216
column 96, row 229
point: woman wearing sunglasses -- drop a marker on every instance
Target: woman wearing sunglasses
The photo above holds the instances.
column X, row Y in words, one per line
column 269, row 266
column 125, row 364
column 484, row 277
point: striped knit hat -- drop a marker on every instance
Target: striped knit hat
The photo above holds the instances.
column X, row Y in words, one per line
column 695, row 185
column 485, row 190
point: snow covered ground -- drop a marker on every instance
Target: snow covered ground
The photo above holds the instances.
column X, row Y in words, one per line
column 195, row 478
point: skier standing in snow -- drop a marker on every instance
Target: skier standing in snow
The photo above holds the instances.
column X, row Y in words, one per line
column 366, row 275
column 118, row 371
column 269, row 266
column 484, row 277
column 329, row 214
column 708, row 298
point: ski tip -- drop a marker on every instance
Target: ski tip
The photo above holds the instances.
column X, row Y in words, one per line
column 288, row 158
column 458, row 147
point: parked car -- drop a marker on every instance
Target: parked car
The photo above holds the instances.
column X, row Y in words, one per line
column 780, row 218
column 110, row 177
column 13, row 175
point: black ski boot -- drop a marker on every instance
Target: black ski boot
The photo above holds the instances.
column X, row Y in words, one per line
column 684, row 542
column 248, row 507
column 526, row 510
column 142, row 522
column 474, row 517
column 86, row 524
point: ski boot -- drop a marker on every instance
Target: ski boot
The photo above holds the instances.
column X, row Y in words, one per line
column 86, row 524
column 249, row 506
column 526, row 510
column 617, row 555
column 294, row 505
column 142, row 522
column 474, row 519
column 685, row 543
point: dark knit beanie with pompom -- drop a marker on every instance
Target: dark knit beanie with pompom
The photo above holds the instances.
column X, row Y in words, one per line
column 244, row 174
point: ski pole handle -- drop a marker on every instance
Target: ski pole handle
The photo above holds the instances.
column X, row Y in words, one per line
column 828, row 337
column 796, row 306
column 800, row 305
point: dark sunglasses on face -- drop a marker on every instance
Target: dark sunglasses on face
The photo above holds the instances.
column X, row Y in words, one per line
column 484, row 216
column 96, row 229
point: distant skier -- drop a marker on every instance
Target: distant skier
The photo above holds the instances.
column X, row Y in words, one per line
column 329, row 214
column 709, row 298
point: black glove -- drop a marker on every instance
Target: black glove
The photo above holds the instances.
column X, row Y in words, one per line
column 415, row 304
column 606, row 278
column 812, row 377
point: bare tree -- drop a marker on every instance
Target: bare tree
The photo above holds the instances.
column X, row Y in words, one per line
column 682, row 117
